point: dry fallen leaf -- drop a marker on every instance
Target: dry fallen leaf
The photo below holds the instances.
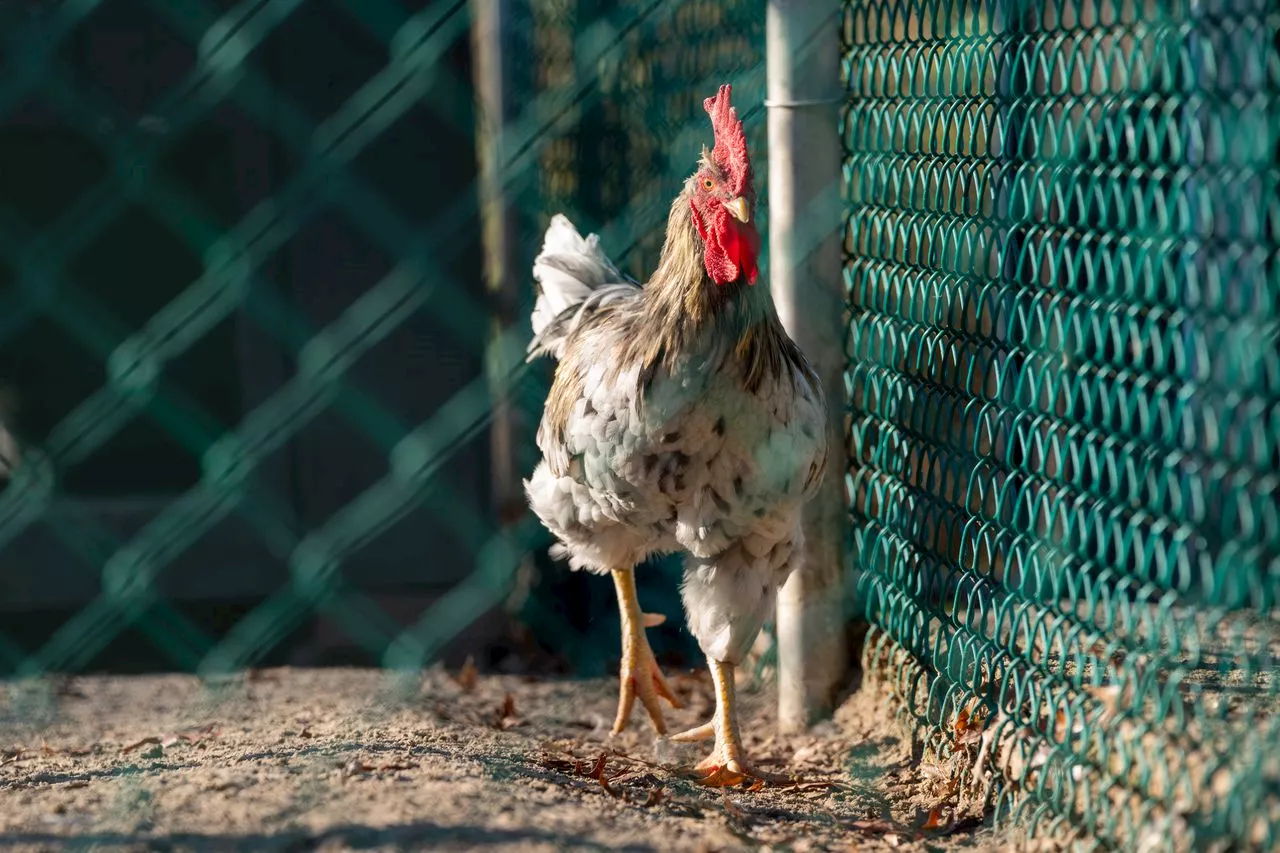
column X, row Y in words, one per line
column 872, row 827
column 597, row 773
column 396, row 765
column 146, row 741
column 468, row 676
column 192, row 736
column 507, row 718
column 721, row 777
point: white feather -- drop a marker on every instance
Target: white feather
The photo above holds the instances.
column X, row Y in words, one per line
column 574, row 276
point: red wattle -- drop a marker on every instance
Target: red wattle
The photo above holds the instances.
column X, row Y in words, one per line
column 732, row 249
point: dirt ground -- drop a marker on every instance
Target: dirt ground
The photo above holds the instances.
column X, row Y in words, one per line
column 338, row 759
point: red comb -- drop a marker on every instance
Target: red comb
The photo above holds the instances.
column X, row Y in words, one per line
column 730, row 153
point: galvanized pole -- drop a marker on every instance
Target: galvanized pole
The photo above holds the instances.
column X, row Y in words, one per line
column 803, row 55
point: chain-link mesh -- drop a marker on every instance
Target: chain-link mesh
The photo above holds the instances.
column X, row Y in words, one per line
column 153, row 259
column 1064, row 361
column 1064, row 366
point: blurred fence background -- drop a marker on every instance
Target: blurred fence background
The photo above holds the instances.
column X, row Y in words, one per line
column 247, row 344
column 263, row 307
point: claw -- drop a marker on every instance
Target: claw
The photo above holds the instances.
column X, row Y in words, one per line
column 727, row 767
column 724, row 760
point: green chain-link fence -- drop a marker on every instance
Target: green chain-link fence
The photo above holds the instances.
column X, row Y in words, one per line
column 242, row 315
column 1064, row 364
column 1063, row 360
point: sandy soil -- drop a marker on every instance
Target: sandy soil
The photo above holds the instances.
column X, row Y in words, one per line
column 339, row 759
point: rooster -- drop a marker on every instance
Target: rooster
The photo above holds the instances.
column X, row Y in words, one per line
column 682, row 418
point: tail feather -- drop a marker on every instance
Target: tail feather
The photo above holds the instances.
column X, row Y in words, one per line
column 574, row 277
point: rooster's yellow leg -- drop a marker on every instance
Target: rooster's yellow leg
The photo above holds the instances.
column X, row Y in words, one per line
column 639, row 673
column 727, row 756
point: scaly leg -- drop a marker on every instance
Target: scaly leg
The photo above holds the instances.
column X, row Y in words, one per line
column 640, row 675
column 727, row 757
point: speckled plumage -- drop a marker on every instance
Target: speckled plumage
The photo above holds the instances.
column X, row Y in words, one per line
column 682, row 418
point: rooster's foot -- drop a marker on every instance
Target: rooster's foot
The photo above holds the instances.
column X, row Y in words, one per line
column 640, row 676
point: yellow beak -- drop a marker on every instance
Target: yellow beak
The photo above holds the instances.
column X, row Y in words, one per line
column 738, row 207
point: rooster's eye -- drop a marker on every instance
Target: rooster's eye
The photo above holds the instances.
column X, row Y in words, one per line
column 708, row 183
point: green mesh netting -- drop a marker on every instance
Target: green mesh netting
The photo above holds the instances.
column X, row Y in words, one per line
column 349, row 108
column 1063, row 271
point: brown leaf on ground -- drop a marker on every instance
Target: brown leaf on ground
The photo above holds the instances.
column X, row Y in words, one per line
column 468, row 676
column 507, row 718
column 721, row 777
column 146, row 741
column 192, row 736
column 396, row 765
column 597, row 773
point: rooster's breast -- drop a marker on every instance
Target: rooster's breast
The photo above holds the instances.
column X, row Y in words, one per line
column 691, row 461
column 737, row 465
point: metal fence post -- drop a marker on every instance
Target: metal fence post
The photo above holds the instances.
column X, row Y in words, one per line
column 803, row 54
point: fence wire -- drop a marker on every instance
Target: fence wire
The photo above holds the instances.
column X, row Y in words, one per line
column 607, row 123
column 1064, row 364
column 1064, row 355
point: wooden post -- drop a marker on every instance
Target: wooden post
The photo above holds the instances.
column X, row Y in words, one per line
column 803, row 55
column 491, row 48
